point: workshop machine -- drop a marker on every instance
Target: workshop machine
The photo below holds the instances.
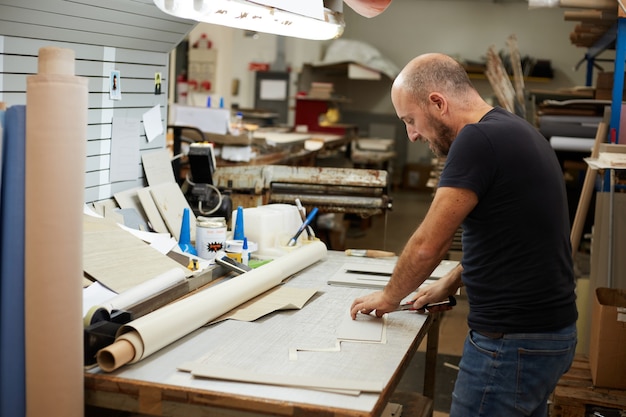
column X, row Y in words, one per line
column 363, row 192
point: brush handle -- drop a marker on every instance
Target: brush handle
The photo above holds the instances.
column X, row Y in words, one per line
column 369, row 253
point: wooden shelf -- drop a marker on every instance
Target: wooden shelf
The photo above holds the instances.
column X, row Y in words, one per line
column 350, row 70
column 476, row 76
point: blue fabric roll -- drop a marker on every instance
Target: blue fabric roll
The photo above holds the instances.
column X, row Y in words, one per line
column 2, row 112
column 12, row 199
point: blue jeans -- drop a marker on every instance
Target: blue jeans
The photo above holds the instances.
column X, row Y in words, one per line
column 513, row 375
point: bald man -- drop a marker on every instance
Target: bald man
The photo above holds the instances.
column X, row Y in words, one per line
column 503, row 184
column 368, row 8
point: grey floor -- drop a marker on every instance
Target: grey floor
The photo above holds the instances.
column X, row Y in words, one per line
column 390, row 232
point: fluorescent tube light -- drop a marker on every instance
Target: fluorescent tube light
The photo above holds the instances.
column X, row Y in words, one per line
column 244, row 14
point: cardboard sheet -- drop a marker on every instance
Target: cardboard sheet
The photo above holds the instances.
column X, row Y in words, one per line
column 376, row 276
column 279, row 298
column 148, row 334
column 171, row 203
column 119, row 260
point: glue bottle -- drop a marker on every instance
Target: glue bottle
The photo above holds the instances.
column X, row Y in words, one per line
column 237, row 125
column 245, row 254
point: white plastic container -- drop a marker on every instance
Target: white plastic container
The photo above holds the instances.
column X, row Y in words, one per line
column 270, row 227
column 210, row 236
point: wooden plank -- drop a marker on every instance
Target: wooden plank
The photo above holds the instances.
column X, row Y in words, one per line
column 590, row 15
column 587, row 189
column 499, row 80
column 575, row 391
column 413, row 404
column 518, row 76
column 589, row 4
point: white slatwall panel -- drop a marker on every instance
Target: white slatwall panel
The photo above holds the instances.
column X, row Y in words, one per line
column 130, row 36
column 128, row 24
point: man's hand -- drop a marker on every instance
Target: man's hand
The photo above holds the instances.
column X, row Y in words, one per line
column 432, row 293
column 373, row 302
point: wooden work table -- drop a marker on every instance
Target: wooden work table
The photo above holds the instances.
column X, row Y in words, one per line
column 154, row 386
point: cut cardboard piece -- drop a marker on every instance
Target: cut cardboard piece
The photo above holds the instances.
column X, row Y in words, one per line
column 607, row 348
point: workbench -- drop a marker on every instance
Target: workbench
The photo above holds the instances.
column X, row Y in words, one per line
column 154, row 386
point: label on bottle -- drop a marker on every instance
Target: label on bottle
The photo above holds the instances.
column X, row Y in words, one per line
column 210, row 236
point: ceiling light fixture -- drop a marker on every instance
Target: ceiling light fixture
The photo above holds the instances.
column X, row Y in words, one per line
column 248, row 15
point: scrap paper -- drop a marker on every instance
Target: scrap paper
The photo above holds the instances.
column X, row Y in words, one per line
column 158, row 167
column 124, row 149
column 118, row 259
column 364, row 329
column 313, row 382
column 279, row 298
column 152, row 123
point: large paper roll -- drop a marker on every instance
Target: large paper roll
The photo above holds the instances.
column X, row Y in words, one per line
column 138, row 293
column 146, row 335
column 56, row 134
column 12, row 376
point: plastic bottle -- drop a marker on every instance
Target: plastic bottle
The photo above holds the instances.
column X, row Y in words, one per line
column 238, row 124
column 245, row 254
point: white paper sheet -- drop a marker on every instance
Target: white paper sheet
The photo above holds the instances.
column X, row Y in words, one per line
column 152, row 123
column 125, row 155
column 206, row 119
column 158, row 167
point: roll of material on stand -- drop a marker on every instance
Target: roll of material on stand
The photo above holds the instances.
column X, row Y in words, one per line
column 56, row 137
column 136, row 294
column 146, row 335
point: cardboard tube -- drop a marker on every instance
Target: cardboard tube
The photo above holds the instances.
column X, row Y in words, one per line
column 56, row 137
column 54, row 60
column 158, row 329
column 119, row 353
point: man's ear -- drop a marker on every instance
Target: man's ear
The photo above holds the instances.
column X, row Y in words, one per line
column 438, row 100
column 368, row 8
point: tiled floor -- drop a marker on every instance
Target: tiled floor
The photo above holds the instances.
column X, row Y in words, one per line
column 390, row 232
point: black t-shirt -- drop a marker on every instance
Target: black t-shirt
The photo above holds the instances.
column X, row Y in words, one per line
column 517, row 261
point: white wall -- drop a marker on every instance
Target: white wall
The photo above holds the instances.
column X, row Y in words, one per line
column 465, row 29
column 236, row 51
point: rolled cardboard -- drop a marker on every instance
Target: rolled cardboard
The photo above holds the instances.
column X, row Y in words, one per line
column 158, row 329
column 56, row 135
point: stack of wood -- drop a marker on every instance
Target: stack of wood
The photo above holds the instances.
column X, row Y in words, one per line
column 321, row 90
column 499, row 80
column 511, row 96
column 595, row 17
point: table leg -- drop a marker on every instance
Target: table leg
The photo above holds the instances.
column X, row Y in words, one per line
column 432, row 346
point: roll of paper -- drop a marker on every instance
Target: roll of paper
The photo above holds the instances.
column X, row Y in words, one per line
column 12, row 366
column 146, row 335
column 145, row 290
column 56, row 135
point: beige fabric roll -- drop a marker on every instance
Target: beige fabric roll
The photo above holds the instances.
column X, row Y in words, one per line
column 589, row 4
column 146, row 335
column 56, row 132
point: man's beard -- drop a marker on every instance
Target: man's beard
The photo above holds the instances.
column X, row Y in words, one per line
column 440, row 145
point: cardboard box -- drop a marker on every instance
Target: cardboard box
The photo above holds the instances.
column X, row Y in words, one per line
column 607, row 348
column 416, row 176
column 604, row 86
